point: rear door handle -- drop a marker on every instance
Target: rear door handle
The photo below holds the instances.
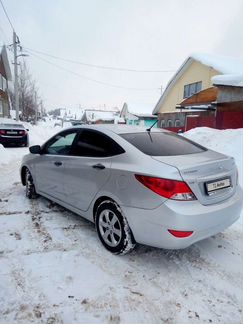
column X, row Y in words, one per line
column 58, row 163
column 98, row 166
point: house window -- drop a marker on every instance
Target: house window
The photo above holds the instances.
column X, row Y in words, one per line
column 192, row 88
column 170, row 123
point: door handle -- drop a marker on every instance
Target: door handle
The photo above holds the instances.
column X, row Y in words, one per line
column 57, row 163
column 98, row 166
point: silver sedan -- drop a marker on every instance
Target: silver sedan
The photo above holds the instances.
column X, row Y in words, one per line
column 138, row 186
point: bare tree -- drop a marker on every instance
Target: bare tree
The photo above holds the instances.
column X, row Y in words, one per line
column 29, row 100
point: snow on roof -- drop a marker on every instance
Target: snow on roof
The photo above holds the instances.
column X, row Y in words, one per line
column 234, row 80
column 94, row 115
column 143, row 115
column 223, row 64
column 140, row 108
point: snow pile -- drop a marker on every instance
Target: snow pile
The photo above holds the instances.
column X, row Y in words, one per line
column 40, row 133
column 229, row 142
column 9, row 121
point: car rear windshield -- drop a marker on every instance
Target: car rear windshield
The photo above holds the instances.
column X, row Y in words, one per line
column 162, row 144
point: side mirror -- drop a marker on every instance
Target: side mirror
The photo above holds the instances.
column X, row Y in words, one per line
column 27, row 129
column 35, row 149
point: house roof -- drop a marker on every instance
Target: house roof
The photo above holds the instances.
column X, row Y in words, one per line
column 137, row 112
column 143, row 115
column 6, row 65
column 203, row 97
column 222, row 64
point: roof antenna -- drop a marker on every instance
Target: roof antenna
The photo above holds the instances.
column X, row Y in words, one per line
column 149, row 129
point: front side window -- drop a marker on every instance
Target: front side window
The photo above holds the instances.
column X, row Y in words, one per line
column 192, row 88
column 162, row 143
column 92, row 143
column 61, row 144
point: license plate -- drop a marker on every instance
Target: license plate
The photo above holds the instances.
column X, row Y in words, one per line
column 217, row 185
column 12, row 132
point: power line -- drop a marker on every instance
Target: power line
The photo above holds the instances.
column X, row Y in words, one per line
column 98, row 66
column 90, row 79
column 5, row 11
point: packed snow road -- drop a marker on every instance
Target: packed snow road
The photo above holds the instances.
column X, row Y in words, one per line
column 54, row 270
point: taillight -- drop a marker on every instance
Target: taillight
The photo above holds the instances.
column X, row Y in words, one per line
column 172, row 189
column 180, row 234
column 2, row 132
column 22, row 132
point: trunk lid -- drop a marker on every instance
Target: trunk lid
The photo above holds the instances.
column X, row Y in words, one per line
column 204, row 171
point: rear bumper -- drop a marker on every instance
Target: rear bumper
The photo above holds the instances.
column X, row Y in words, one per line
column 150, row 227
column 11, row 140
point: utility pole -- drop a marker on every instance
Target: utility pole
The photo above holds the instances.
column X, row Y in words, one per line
column 36, row 108
column 16, row 90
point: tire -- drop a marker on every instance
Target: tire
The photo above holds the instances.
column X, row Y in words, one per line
column 113, row 229
column 29, row 186
column 25, row 144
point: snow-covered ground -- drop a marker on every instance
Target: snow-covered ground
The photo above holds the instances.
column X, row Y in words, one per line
column 54, row 270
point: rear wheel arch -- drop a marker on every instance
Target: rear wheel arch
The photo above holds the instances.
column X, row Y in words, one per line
column 127, row 242
column 23, row 175
column 98, row 202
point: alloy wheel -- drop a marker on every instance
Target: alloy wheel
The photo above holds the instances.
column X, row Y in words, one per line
column 110, row 228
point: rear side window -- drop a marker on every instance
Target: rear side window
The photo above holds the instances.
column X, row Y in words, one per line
column 163, row 144
column 95, row 144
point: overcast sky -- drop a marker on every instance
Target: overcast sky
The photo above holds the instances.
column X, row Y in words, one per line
column 132, row 34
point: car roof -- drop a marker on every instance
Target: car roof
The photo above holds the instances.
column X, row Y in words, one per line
column 119, row 129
